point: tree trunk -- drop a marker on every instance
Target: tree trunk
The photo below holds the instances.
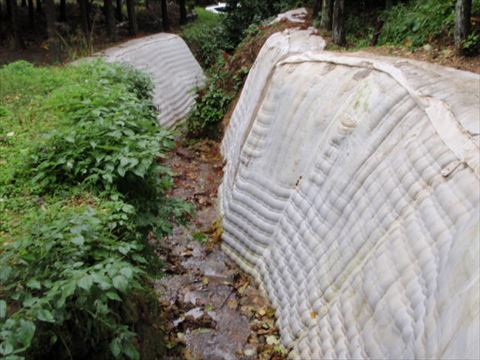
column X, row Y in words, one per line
column 39, row 6
column 338, row 25
column 270, row 7
column 119, row 10
column 24, row 3
column 327, row 13
column 50, row 17
column 19, row 44
column 84, row 16
column 183, row 12
column 378, row 32
column 31, row 14
column 316, row 8
column 63, row 11
column 463, row 25
column 165, row 22
column 9, row 9
column 132, row 17
column 109, row 18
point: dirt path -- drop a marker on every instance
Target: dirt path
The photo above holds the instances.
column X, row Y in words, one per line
column 213, row 310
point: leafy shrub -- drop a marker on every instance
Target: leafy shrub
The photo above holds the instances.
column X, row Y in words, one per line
column 67, row 278
column 419, row 22
column 111, row 143
column 209, row 111
column 226, row 79
column 471, row 45
column 206, row 37
column 240, row 17
column 242, row 14
column 81, row 184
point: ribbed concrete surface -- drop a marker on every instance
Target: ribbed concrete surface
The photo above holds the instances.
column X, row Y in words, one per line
column 175, row 72
column 352, row 194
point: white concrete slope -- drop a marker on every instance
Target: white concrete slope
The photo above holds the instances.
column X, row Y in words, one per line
column 174, row 71
column 352, row 194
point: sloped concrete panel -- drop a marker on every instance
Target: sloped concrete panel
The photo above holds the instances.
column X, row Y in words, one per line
column 352, row 194
column 174, row 71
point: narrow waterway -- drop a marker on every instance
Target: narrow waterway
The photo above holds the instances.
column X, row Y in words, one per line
column 213, row 309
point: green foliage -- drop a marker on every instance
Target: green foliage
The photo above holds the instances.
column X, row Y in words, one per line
column 226, row 78
column 359, row 28
column 81, row 184
column 205, row 37
column 76, row 264
column 240, row 17
column 210, row 109
column 241, row 14
column 212, row 34
column 200, row 237
column 418, row 22
column 471, row 45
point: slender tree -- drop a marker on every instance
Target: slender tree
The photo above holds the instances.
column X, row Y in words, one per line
column 118, row 10
column 19, row 44
column 270, row 7
column 50, row 17
column 24, row 3
column 31, row 14
column 132, row 17
column 316, row 8
column 109, row 18
column 463, row 25
column 63, row 11
column 165, row 21
column 8, row 5
column 39, row 6
column 183, row 12
column 84, row 16
column 338, row 26
column 327, row 13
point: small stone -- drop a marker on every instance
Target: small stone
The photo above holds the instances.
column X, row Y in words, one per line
column 427, row 47
column 272, row 340
column 251, row 351
column 233, row 304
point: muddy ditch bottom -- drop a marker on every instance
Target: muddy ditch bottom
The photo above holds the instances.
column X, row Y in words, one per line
column 212, row 310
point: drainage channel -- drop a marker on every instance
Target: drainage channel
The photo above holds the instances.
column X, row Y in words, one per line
column 213, row 310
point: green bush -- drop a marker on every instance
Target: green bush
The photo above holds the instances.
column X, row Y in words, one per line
column 206, row 37
column 209, row 111
column 111, row 143
column 68, row 276
column 241, row 14
column 81, row 185
column 419, row 22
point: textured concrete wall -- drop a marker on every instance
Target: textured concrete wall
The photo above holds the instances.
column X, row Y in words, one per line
column 352, row 194
column 175, row 72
